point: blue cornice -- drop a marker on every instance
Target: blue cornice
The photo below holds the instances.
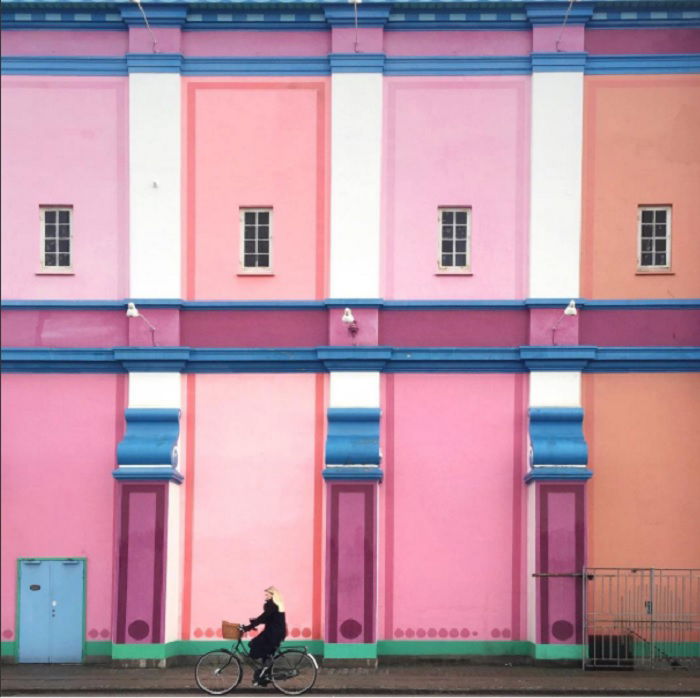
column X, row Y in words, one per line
column 558, row 473
column 357, row 62
column 457, row 65
column 558, row 62
column 365, row 14
column 63, row 65
column 643, row 64
column 170, row 15
column 154, row 62
column 286, row 65
column 555, row 13
column 322, row 359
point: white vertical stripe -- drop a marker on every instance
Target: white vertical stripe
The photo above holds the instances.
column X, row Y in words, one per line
column 555, row 389
column 355, row 184
column 155, row 390
column 154, row 185
column 173, row 579
column 355, row 389
column 555, row 206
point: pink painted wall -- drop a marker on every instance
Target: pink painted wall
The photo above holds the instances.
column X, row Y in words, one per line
column 458, row 43
column 478, row 157
column 64, row 142
column 63, row 478
column 253, row 473
column 454, row 506
column 620, row 41
column 260, row 142
column 256, row 43
column 56, row 42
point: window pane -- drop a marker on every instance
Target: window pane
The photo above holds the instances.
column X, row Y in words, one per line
column 447, row 260
column 249, row 217
column 50, row 216
column 63, row 245
column 249, row 260
column 49, row 245
column 447, row 246
column 647, row 216
column 63, row 231
column 647, row 231
column 461, row 217
column 660, row 259
column 460, row 260
column 50, row 231
column 263, row 233
column 50, row 260
column 660, row 231
column 461, row 231
column 63, row 260
column 264, row 246
column 264, row 217
column 647, row 245
column 249, row 246
column 263, row 260
column 646, row 259
column 63, row 216
column 661, row 245
column 461, row 246
column 661, row 216
column 447, row 217
column 249, row 233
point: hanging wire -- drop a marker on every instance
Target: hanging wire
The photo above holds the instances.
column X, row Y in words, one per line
column 357, row 43
column 561, row 31
column 148, row 26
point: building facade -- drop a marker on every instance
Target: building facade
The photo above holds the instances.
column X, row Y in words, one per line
column 395, row 306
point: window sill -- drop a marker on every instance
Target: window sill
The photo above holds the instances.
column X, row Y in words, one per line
column 654, row 272
column 454, row 272
column 55, row 272
column 256, row 272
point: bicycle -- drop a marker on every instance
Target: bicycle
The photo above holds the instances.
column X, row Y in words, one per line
column 293, row 670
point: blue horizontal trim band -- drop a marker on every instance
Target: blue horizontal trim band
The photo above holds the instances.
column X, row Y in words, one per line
column 643, row 64
column 357, row 62
column 457, row 65
column 59, row 65
column 353, row 473
column 154, row 62
column 256, row 66
column 558, row 62
column 578, row 473
column 354, row 414
column 164, row 473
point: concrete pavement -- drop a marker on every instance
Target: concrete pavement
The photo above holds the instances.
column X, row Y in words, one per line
column 420, row 678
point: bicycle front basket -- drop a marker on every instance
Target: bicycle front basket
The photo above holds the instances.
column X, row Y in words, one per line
column 230, row 631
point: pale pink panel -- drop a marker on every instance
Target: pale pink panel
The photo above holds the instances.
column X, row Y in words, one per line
column 478, row 157
column 64, row 142
column 458, row 43
column 57, row 491
column 253, row 474
column 256, row 43
column 453, row 499
column 256, row 143
column 55, row 42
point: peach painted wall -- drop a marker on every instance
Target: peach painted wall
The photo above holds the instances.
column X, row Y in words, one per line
column 641, row 146
column 457, row 141
column 256, row 143
column 644, row 496
column 254, row 475
column 57, row 491
column 64, row 141
column 454, row 507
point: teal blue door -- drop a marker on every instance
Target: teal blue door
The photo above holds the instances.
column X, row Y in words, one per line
column 51, row 610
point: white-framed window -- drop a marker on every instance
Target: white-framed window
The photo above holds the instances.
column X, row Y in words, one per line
column 654, row 238
column 454, row 239
column 256, row 240
column 56, row 238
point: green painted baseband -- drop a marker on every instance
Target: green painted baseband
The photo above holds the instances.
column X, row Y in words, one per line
column 179, row 648
column 7, row 649
column 98, row 649
column 558, row 651
column 454, row 647
column 350, row 650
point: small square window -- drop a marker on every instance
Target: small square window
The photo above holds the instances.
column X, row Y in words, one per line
column 256, row 240
column 654, row 238
column 56, row 238
column 454, row 240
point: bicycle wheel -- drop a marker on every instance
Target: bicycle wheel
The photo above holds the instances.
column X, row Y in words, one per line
column 293, row 672
column 218, row 672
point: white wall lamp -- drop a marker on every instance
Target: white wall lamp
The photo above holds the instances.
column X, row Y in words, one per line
column 349, row 319
column 569, row 310
column 133, row 311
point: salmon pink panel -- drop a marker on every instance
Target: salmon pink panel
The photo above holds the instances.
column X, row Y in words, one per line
column 641, row 148
column 256, row 144
column 454, row 507
column 644, row 443
column 58, row 490
column 252, row 476
column 636, row 41
column 455, row 142
column 77, row 127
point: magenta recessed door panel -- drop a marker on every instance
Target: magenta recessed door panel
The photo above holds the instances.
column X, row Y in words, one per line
column 351, row 571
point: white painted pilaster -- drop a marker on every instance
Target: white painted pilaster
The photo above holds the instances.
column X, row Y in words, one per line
column 555, row 185
column 155, row 390
column 356, row 140
column 555, row 389
column 154, row 185
column 354, row 389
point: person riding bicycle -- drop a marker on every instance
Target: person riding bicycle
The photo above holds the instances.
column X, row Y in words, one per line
column 268, row 641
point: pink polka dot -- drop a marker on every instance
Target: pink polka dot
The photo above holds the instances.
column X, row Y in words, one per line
column 93, row 633
column 475, row 633
column 398, row 632
column 7, row 633
column 410, row 632
column 495, row 633
column 432, row 632
column 295, row 632
column 442, row 632
column 306, row 632
column 104, row 632
column 209, row 632
column 198, row 632
column 420, row 632
column 454, row 632
column 465, row 632
column 506, row 632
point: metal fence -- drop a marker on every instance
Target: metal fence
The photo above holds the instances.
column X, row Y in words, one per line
column 641, row 617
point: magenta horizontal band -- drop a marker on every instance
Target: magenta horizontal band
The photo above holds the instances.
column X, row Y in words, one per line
column 274, row 328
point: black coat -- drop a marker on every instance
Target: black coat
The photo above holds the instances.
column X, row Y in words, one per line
column 275, row 631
